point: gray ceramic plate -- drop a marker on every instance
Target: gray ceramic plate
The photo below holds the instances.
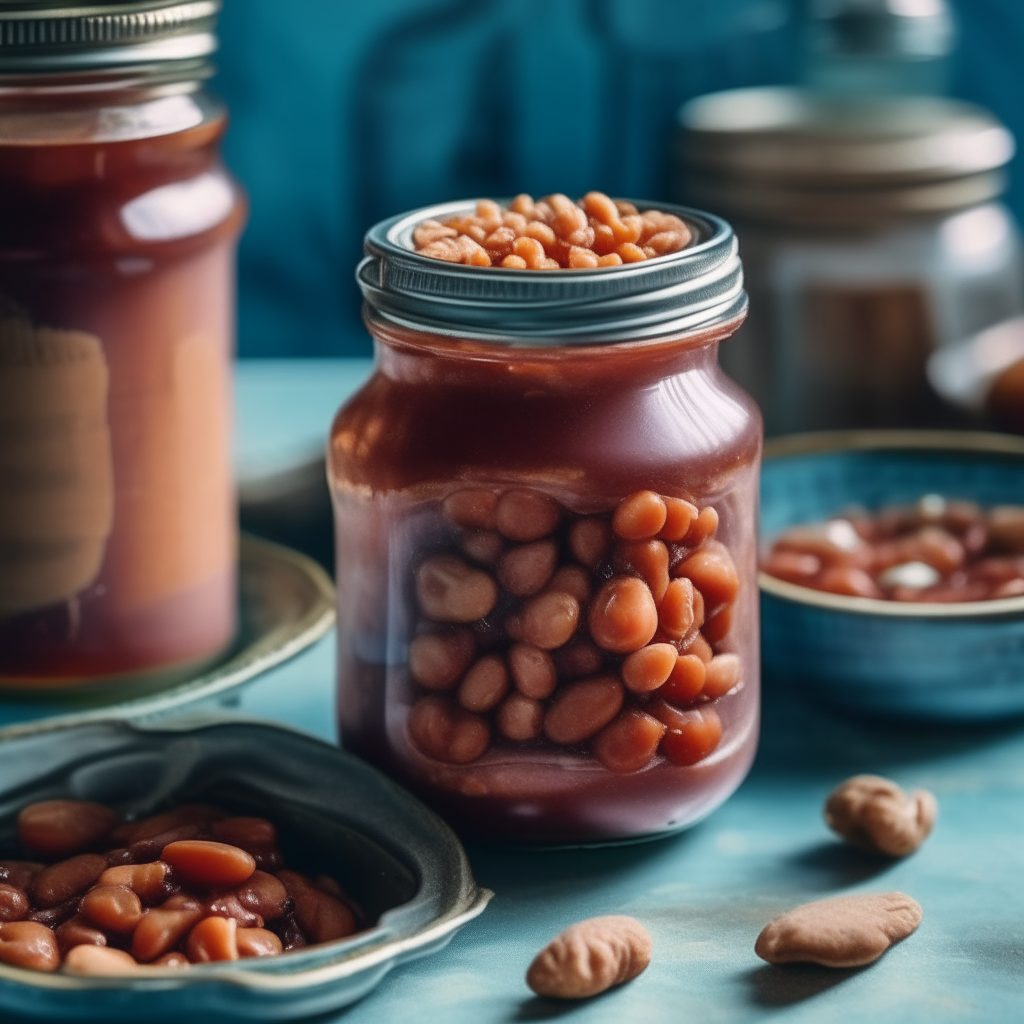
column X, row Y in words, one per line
column 399, row 861
column 286, row 603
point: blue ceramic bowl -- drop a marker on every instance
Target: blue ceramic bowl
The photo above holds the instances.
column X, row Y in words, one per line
column 399, row 861
column 944, row 662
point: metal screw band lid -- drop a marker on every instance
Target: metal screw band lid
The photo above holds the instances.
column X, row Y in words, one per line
column 55, row 38
column 695, row 287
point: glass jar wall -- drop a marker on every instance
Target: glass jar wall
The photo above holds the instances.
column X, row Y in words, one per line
column 499, row 587
column 118, row 225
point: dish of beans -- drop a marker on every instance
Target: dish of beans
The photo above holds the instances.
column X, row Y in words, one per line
column 936, row 550
column 191, row 885
column 553, row 233
column 598, row 633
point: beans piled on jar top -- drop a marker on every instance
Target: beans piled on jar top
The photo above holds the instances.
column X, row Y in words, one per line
column 935, row 550
column 599, row 633
column 553, row 233
column 190, row 885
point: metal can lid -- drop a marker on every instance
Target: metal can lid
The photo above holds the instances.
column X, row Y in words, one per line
column 695, row 287
column 56, row 38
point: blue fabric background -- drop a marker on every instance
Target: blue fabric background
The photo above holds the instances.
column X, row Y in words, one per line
column 346, row 111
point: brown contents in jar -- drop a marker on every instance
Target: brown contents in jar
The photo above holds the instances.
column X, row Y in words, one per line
column 199, row 899
column 594, row 644
column 935, row 551
column 552, row 234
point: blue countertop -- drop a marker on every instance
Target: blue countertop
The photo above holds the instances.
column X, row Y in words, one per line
column 705, row 894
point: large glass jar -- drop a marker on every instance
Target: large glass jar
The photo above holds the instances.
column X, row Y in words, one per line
column 118, row 226
column 487, row 484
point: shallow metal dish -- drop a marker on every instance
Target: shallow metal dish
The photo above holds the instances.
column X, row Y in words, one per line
column 398, row 860
column 953, row 662
column 286, row 604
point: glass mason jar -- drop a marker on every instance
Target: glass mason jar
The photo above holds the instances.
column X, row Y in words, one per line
column 548, row 473
column 873, row 240
column 118, row 227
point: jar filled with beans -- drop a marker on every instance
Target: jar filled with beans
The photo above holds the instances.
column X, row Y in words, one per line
column 545, row 502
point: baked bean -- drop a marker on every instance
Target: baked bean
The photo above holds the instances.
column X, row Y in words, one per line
column 288, row 930
column 713, row 572
column 580, row 258
column 647, row 559
column 171, row 960
column 77, row 931
column 639, row 516
column 161, row 928
column 526, row 515
column 1006, row 528
column 229, row 905
column 848, row 580
column 630, row 252
column 19, row 873
column 533, row 671
column 437, row 661
column 693, row 738
column 149, row 848
column 322, row 917
column 264, row 895
column 591, row 957
column 99, row 961
column 213, row 938
column 647, row 669
column 526, row 569
column 55, row 829
column 160, row 824
column 717, row 628
column 112, row 907
column 444, row 731
column 14, row 904
column 57, row 914
column 686, row 681
column 29, row 945
column 257, row 942
column 472, row 509
column 623, row 616
column 703, row 527
column 582, row 709
column 208, row 863
column 499, row 242
column 246, row 833
column 701, row 648
column 449, row 590
column 520, row 717
column 629, row 742
column 431, row 230
column 486, row 683
column 792, row 566
column 1011, row 588
column 550, row 619
column 590, row 539
column 483, row 545
column 676, row 613
column 150, row 882
column 59, row 882
column 578, row 659
column 722, row 675
column 935, row 547
column 679, row 514
column 574, row 580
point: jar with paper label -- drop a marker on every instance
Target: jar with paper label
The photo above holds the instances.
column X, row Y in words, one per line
column 118, row 226
column 545, row 504
column 873, row 239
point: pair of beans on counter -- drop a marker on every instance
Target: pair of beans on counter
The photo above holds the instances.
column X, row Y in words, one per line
column 934, row 551
column 544, row 625
column 869, row 812
column 190, row 885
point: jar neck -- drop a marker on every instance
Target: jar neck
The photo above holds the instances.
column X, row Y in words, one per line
column 409, row 356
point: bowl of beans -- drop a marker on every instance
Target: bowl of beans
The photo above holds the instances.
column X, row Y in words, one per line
column 233, row 868
column 892, row 571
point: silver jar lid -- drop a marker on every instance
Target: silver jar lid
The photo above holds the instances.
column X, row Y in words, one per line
column 60, row 38
column 696, row 287
column 791, row 154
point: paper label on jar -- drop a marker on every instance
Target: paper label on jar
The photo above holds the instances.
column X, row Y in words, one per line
column 56, row 468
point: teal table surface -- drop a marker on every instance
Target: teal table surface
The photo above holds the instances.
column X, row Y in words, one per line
column 705, row 894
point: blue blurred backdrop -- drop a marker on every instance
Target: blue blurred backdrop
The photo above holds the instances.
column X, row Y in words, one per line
column 346, row 111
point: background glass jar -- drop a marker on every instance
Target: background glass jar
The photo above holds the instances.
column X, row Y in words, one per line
column 484, row 482
column 118, row 225
column 872, row 237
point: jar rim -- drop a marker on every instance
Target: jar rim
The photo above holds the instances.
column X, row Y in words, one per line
column 693, row 288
